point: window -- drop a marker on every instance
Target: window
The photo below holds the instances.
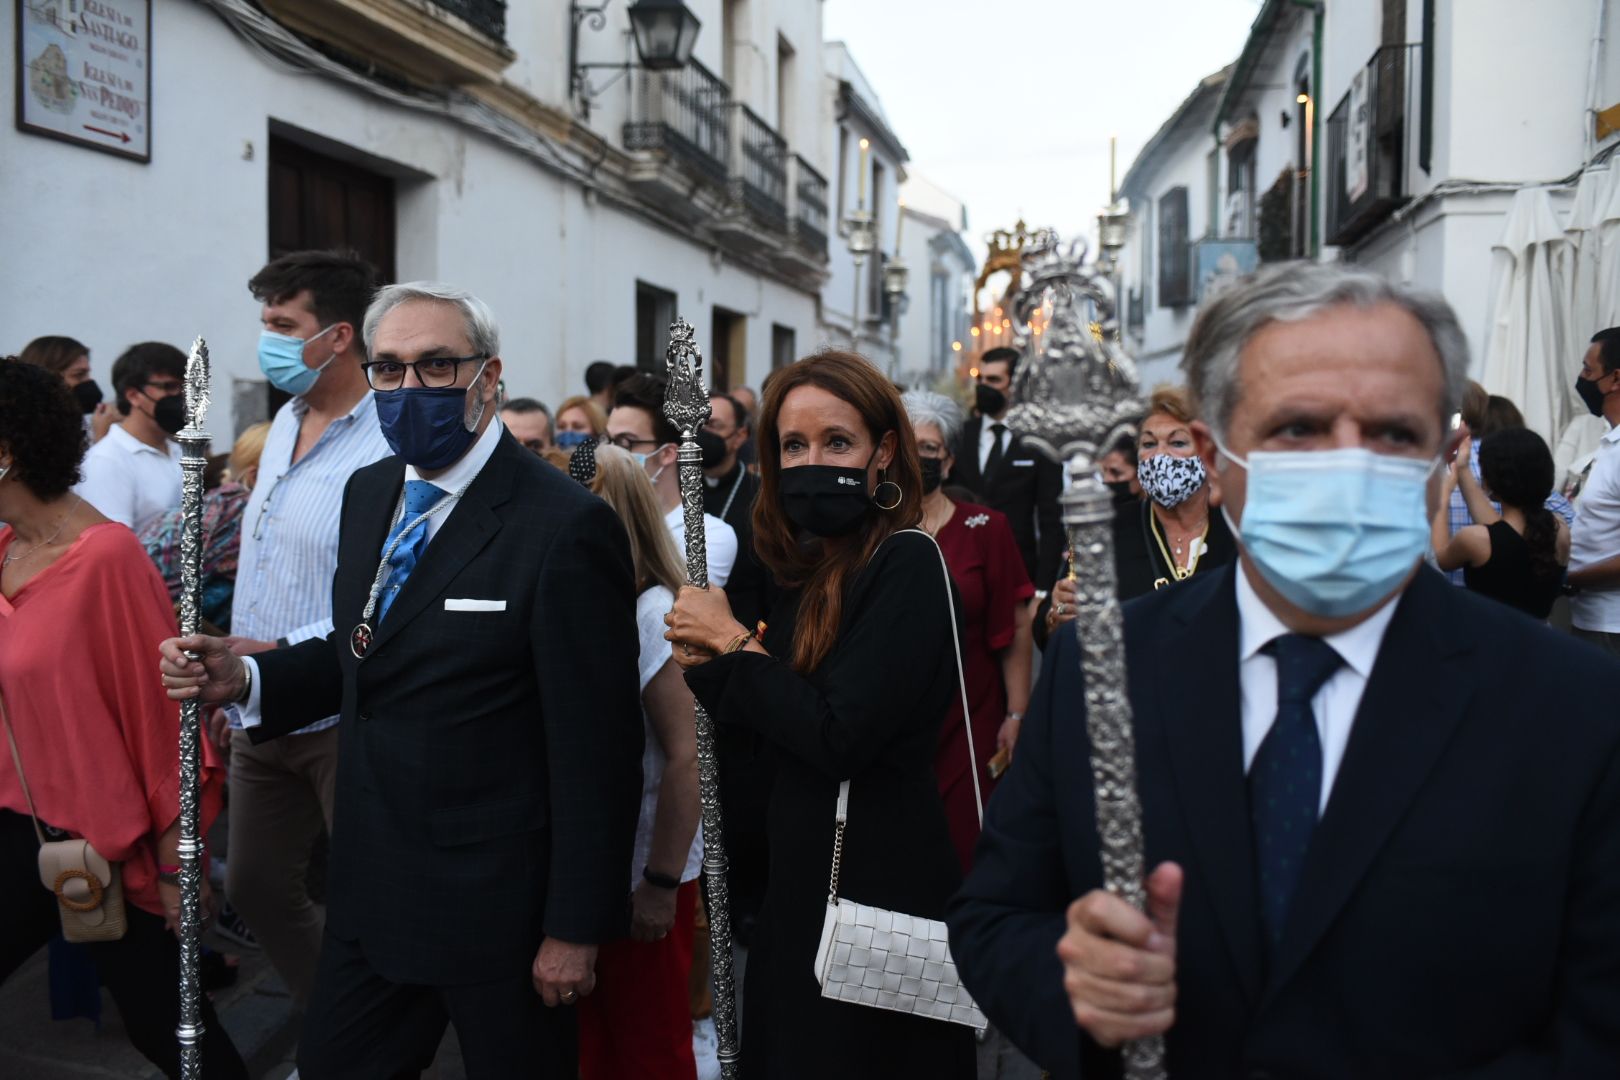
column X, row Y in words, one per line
column 874, row 265
column 843, row 172
column 731, row 20
column 655, row 310
column 1175, row 254
column 1212, row 199
column 1239, row 218
column 1147, row 255
column 786, row 72
column 784, row 349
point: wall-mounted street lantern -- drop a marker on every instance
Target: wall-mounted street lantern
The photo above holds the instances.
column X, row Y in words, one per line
column 664, row 31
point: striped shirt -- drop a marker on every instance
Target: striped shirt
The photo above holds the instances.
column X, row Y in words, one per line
column 290, row 528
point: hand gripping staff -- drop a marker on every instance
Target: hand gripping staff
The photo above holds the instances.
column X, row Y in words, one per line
column 686, row 405
column 1077, row 393
column 194, row 443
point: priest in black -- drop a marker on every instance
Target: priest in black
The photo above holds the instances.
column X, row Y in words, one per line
column 489, row 766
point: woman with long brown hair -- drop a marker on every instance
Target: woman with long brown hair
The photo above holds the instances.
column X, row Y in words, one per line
column 849, row 681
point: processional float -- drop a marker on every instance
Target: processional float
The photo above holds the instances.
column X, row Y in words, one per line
column 1076, row 394
column 194, row 442
column 686, row 405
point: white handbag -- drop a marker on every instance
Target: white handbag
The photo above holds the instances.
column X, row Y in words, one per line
column 888, row 959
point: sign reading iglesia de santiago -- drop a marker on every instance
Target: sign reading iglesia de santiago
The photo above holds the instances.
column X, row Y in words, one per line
column 84, row 73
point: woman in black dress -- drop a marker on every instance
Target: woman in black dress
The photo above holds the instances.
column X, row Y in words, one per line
column 850, row 682
column 1518, row 555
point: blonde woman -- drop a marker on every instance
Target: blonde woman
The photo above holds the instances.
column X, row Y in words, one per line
column 642, row 981
column 579, row 419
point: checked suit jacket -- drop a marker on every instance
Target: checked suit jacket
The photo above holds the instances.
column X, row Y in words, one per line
column 489, row 762
column 1458, row 914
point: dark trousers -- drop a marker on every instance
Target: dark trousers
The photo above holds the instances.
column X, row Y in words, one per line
column 362, row 1026
column 141, row 970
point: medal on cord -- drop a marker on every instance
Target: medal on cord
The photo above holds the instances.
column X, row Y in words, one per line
column 361, row 636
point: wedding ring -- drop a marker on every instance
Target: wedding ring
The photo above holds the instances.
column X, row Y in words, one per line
column 1059, row 609
column 686, row 650
column 569, row 997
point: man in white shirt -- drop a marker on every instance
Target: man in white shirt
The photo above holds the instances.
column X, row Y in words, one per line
column 1594, row 539
column 638, row 424
column 133, row 475
column 1352, row 776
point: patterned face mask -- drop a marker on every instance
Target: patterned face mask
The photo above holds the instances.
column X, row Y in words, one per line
column 1169, row 480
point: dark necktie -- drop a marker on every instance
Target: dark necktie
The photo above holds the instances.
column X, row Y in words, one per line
column 997, row 449
column 1285, row 780
column 420, row 497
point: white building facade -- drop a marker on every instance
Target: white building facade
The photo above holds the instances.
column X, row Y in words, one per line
column 451, row 140
column 939, row 272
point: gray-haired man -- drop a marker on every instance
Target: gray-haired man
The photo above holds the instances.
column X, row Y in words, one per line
column 489, row 768
column 1383, row 814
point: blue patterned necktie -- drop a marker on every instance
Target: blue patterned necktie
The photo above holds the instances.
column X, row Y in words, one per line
column 1285, row 780
column 420, row 497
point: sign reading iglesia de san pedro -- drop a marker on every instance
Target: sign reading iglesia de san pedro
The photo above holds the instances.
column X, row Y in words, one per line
column 84, row 73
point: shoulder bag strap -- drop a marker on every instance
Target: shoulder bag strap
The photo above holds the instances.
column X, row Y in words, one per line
column 16, row 759
column 842, row 815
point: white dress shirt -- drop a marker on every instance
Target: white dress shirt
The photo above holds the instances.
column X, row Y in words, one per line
column 720, row 538
column 1595, row 536
column 1335, row 704
column 987, row 440
column 453, row 479
column 130, row 482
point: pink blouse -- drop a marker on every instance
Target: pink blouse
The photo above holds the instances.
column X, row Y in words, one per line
column 97, row 735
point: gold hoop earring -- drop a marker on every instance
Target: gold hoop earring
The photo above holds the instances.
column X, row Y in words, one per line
column 877, row 499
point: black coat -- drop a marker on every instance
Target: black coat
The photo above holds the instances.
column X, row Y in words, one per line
column 1026, row 488
column 1457, row 910
column 489, row 763
column 870, row 713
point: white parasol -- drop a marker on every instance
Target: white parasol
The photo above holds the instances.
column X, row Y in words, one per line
column 1527, row 350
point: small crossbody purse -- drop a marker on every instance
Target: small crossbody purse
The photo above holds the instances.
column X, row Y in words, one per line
column 89, row 889
column 888, row 959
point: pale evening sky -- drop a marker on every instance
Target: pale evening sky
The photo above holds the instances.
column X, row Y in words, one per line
column 1008, row 104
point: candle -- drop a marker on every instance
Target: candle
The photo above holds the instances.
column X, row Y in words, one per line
column 866, row 149
column 899, row 223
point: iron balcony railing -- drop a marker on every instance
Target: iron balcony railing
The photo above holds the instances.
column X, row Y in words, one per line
column 1368, row 172
column 686, row 113
column 810, row 208
column 759, row 163
column 486, row 16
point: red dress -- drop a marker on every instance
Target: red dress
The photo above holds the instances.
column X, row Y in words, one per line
column 989, row 572
column 97, row 735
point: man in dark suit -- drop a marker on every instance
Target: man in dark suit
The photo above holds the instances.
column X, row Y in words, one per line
column 1383, row 814
column 489, row 768
column 993, row 462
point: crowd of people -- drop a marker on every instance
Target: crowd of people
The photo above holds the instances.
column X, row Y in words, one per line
column 450, row 661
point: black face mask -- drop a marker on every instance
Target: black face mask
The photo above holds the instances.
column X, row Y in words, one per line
column 713, row 447
column 988, row 400
column 1590, row 394
column 1120, row 488
column 933, row 474
column 88, row 395
column 170, row 413
column 825, row 500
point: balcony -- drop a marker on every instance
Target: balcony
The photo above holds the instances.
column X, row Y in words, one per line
column 680, row 128
column 429, row 42
column 810, row 210
column 1368, row 174
column 759, row 159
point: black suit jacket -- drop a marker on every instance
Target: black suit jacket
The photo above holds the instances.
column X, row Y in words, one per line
column 1459, row 910
column 489, row 764
column 1025, row 487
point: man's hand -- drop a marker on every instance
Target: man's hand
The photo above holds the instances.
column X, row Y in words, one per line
column 103, row 418
column 1119, row 965
column 652, row 912
column 216, row 677
column 218, row 727
column 1007, row 734
column 242, row 646
column 564, row 973
column 169, row 895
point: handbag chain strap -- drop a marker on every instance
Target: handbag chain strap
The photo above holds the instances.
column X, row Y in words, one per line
column 967, row 722
column 16, row 759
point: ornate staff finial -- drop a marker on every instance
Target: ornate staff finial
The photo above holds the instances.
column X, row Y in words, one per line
column 197, row 379
column 686, row 398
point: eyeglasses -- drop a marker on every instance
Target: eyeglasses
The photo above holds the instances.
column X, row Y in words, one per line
column 630, row 442
column 435, row 372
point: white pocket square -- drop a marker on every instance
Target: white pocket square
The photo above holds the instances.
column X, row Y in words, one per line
column 475, row 605
column 1026, row 463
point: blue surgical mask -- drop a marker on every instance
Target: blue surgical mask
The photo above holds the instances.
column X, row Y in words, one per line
column 568, row 440
column 641, row 459
column 429, row 427
column 1333, row 531
column 281, row 358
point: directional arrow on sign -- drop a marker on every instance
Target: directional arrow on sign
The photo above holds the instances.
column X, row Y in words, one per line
column 124, row 135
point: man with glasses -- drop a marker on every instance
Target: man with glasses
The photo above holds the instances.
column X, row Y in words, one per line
column 312, row 304
column 638, row 424
column 490, row 774
column 133, row 475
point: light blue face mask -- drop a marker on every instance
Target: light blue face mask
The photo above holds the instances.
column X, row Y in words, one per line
column 641, row 459
column 1333, row 531
column 281, row 358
